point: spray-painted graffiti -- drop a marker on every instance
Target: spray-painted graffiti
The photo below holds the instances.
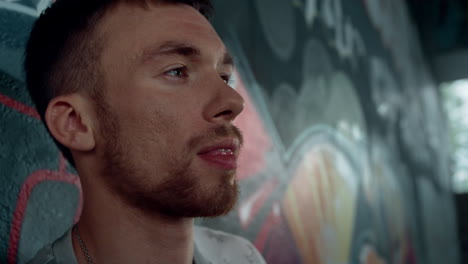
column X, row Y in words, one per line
column 311, row 12
column 384, row 194
column 31, row 7
column 320, row 205
column 280, row 31
column 23, row 236
column 345, row 38
column 326, row 96
column 321, row 174
column 39, row 190
column 330, row 105
column 332, row 100
column 399, row 37
column 387, row 95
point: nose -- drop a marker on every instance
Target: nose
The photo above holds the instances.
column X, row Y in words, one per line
column 225, row 105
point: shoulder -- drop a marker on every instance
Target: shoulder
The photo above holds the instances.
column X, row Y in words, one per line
column 220, row 247
column 44, row 256
column 58, row 252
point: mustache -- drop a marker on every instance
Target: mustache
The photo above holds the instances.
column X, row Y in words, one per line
column 229, row 131
column 220, row 131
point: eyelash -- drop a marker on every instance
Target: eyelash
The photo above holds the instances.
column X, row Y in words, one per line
column 181, row 69
column 226, row 78
column 183, row 73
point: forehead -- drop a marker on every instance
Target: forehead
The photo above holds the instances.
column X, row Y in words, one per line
column 130, row 29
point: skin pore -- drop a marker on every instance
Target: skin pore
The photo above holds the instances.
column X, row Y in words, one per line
column 137, row 147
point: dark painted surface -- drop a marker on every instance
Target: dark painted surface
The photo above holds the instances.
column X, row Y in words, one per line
column 443, row 24
column 462, row 216
column 345, row 158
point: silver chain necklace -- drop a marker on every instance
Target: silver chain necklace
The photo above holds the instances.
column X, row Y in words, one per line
column 83, row 247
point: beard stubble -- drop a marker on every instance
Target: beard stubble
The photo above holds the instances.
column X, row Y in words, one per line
column 182, row 193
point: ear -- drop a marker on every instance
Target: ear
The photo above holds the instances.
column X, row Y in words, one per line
column 68, row 118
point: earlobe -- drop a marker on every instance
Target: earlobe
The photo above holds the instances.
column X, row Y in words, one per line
column 69, row 122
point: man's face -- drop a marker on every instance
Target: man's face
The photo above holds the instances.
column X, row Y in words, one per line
column 166, row 139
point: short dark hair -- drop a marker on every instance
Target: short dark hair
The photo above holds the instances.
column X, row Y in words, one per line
column 63, row 53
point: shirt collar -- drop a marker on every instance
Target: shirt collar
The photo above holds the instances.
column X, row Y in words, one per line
column 64, row 253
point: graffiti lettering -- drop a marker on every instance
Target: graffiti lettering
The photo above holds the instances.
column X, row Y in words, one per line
column 280, row 31
column 311, row 11
column 385, row 89
column 390, row 18
column 347, row 40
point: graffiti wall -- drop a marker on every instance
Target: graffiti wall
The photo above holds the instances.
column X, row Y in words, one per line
column 345, row 157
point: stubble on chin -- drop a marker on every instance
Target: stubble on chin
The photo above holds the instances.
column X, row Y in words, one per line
column 180, row 195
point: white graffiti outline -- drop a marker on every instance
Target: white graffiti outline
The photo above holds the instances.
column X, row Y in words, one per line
column 16, row 6
column 346, row 39
column 311, row 11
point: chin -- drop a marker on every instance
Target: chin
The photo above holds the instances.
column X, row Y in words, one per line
column 200, row 200
column 220, row 200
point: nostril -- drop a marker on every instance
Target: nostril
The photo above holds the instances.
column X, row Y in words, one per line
column 224, row 113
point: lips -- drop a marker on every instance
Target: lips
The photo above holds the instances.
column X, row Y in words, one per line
column 222, row 155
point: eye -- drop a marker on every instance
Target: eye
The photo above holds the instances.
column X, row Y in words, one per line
column 177, row 72
column 226, row 77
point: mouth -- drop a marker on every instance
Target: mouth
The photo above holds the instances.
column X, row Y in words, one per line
column 222, row 155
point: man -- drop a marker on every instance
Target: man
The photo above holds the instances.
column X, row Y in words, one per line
column 135, row 94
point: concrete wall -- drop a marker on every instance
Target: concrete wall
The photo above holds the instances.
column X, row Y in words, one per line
column 345, row 158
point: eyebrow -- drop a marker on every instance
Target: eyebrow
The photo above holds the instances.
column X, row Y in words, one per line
column 181, row 49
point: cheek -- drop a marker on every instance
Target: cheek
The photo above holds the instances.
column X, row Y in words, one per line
column 165, row 120
column 158, row 131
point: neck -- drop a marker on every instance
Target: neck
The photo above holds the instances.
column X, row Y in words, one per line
column 115, row 232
